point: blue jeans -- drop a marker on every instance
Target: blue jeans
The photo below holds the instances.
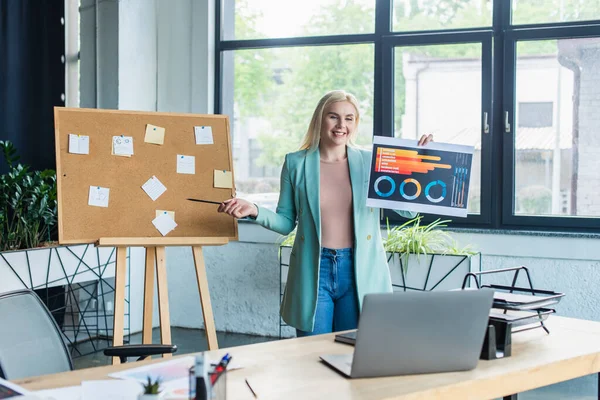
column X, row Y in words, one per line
column 337, row 300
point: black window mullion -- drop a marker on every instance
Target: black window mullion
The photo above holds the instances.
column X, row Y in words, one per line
column 506, row 129
column 487, row 138
column 383, row 91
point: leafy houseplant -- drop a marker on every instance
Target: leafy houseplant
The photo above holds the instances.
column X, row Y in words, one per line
column 151, row 389
column 28, row 206
column 414, row 238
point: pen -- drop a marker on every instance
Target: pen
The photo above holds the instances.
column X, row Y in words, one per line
column 220, row 368
column 252, row 390
column 205, row 201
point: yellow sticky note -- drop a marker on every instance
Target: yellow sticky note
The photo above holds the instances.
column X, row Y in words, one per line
column 169, row 213
column 154, row 134
column 223, row 179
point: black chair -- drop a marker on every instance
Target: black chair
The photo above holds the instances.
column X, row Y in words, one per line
column 31, row 344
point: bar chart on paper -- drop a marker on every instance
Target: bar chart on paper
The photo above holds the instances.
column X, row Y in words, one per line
column 432, row 179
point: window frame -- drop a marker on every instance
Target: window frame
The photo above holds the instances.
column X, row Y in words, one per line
column 498, row 80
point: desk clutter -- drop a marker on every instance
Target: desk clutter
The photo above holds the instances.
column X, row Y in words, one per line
column 514, row 309
column 186, row 378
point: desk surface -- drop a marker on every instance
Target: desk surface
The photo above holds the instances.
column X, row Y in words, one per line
column 290, row 369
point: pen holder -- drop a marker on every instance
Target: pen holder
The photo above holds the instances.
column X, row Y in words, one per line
column 218, row 391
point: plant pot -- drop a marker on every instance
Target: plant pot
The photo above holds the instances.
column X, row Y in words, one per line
column 431, row 271
column 148, row 396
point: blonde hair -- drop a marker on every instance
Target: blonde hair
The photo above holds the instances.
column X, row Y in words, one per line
column 313, row 134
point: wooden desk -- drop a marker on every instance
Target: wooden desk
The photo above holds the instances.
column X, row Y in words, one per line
column 290, row 369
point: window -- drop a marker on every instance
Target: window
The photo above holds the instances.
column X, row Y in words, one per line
column 418, row 15
column 260, row 19
column 438, row 91
column 544, row 11
column 556, row 156
column 515, row 79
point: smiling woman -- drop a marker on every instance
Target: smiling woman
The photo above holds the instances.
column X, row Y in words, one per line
column 338, row 255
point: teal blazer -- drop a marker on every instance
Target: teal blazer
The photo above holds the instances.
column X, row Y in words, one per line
column 299, row 203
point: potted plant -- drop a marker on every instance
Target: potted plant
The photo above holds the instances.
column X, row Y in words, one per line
column 28, row 203
column 151, row 391
column 425, row 257
column 30, row 258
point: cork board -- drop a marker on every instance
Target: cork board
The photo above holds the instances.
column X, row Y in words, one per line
column 130, row 210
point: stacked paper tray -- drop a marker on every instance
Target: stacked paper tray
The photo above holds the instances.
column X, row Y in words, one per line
column 519, row 299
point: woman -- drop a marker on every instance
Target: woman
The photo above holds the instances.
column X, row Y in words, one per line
column 338, row 255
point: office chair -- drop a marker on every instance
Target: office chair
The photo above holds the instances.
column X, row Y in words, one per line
column 31, row 344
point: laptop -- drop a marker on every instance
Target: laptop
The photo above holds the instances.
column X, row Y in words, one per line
column 407, row 333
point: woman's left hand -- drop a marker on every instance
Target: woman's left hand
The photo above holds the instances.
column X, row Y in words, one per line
column 425, row 139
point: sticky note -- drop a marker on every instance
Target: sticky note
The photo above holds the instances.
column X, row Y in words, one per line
column 79, row 144
column 154, row 134
column 203, row 135
column 223, row 179
column 169, row 213
column 122, row 146
column 186, row 164
column 154, row 188
column 98, row 196
column 164, row 224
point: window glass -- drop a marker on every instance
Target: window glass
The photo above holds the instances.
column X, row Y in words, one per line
column 259, row 19
column 545, row 11
column 270, row 95
column 438, row 90
column 557, row 137
column 418, row 15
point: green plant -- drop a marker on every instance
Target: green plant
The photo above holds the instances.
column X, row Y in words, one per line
column 28, row 207
column 414, row 238
column 151, row 387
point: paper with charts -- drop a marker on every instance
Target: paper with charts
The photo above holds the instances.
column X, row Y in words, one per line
column 432, row 179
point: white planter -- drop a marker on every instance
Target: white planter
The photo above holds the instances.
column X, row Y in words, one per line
column 148, row 396
column 431, row 272
column 54, row 266
column 446, row 272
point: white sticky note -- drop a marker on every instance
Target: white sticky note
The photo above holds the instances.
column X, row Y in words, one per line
column 98, row 196
column 203, row 135
column 164, row 224
column 169, row 213
column 79, row 144
column 186, row 164
column 154, row 188
column 123, row 146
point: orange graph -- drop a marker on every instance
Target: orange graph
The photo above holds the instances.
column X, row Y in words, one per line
column 405, row 162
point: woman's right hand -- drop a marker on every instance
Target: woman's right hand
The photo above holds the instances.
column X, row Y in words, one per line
column 238, row 208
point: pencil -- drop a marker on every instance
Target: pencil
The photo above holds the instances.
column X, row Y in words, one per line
column 205, row 201
column 252, row 390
